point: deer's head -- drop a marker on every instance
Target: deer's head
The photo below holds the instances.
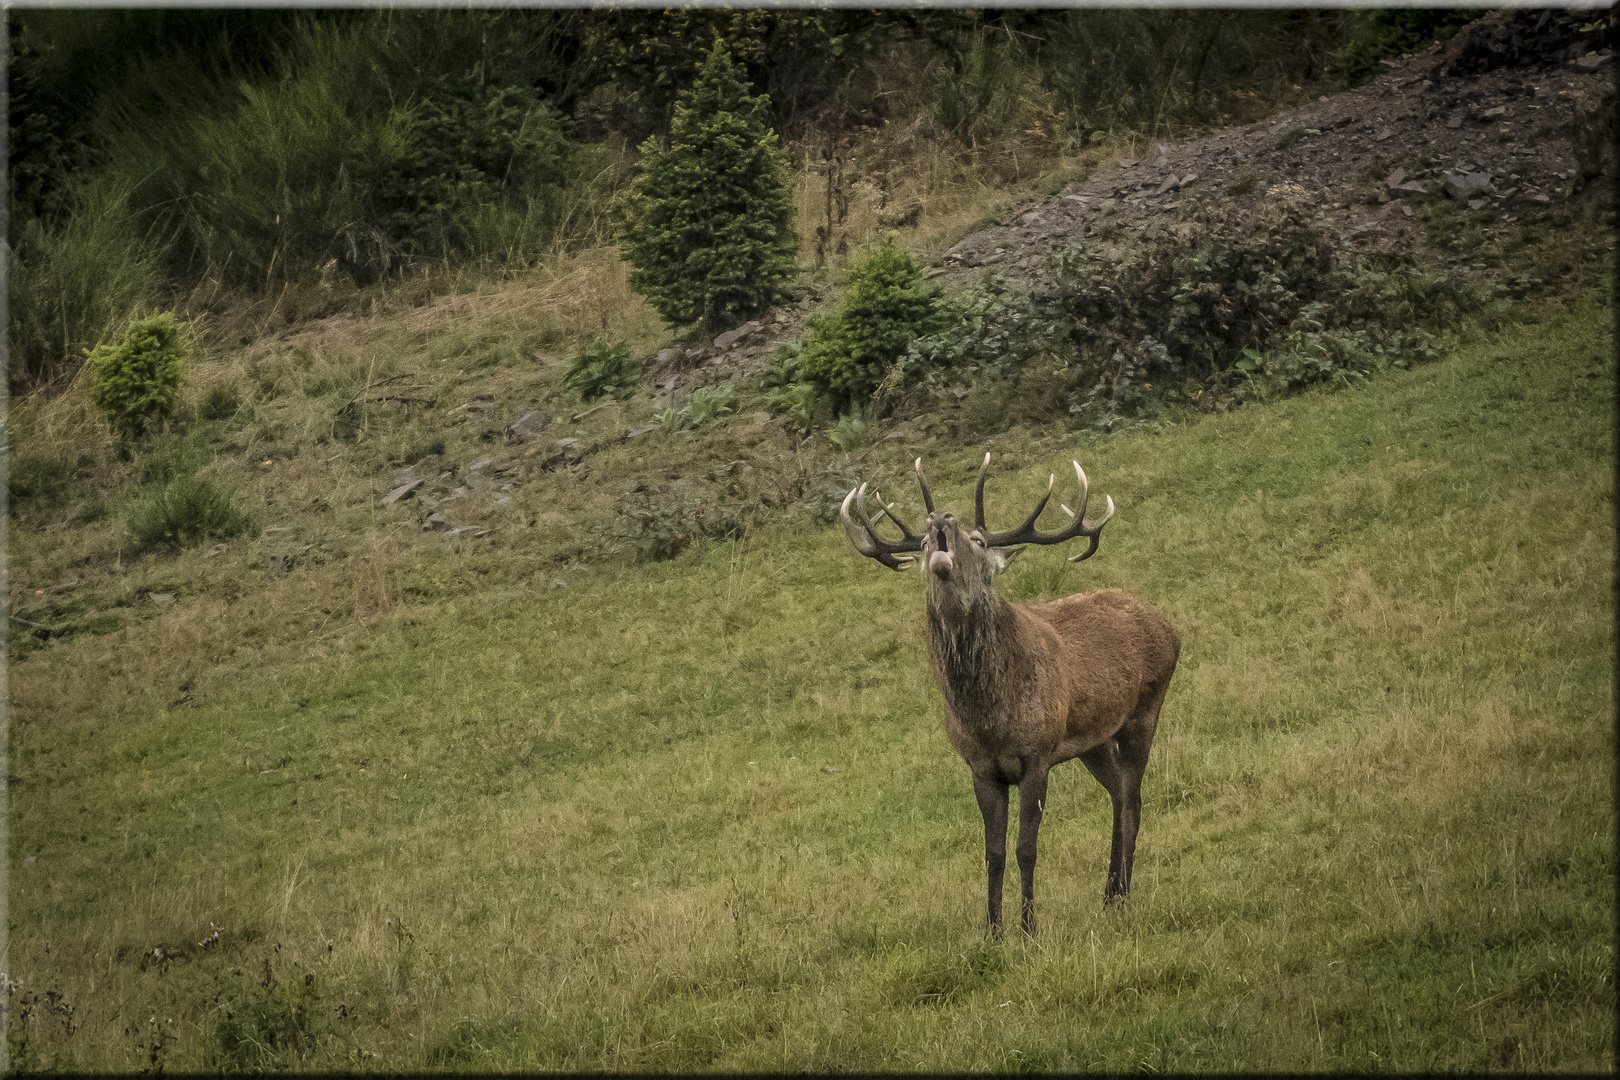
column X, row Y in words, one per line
column 959, row 563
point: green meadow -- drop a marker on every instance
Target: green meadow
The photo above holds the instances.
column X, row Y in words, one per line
column 701, row 814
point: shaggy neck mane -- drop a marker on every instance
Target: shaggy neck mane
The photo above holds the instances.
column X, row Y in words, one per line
column 968, row 649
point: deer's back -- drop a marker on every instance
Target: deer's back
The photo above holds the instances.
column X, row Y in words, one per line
column 1116, row 653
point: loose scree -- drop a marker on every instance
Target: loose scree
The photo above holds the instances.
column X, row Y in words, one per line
column 1030, row 685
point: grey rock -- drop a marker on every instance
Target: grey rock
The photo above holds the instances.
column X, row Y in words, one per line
column 732, row 337
column 435, row 521
column 1591, row 62
column 528, row 425
column 405, row 476
column 1492, row 114
column 1454, row 123
column 1463, row 184
column 1395, row 179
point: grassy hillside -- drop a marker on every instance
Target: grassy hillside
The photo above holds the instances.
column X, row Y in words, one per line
column 467, row 807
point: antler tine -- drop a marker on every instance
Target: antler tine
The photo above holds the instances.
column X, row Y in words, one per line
column 1095, row 533
column 865, row 539
column 928, row 500
column 978, row 494
column 1078, row 526
column 887, row 510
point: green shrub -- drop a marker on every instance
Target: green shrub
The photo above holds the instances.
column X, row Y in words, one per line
column 981, row 335
column 1186, row 307
column 137, row 381
column 1379, row 32
column 222, row 403
column 602, row 371
column 183, row 510
column 986, row 93
column 886, row 305
column 712, row 239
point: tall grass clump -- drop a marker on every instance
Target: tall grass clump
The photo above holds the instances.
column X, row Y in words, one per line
column 73, row 280
column 986, row 92
column 1156, row 72
column 184, row 509
column 340, row 160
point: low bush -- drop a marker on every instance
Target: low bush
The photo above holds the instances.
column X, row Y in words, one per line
column 724, row 503
column 184, row 510
column 710, row 403
column 1189, row 307
column 137, row 381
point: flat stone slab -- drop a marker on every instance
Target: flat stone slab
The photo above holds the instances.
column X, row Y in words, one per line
column 404, row 491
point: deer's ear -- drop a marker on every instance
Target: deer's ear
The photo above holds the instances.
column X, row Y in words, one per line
column 1003, row 556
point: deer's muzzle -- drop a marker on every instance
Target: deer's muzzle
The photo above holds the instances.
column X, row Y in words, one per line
column 939, row 563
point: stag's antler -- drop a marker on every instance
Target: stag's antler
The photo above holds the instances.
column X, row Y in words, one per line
column 865, row 537
column 1027, row 534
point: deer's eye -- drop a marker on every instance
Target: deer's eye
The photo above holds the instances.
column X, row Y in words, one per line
column 977, row 539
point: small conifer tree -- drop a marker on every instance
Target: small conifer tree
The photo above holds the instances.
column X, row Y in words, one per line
column 713, row 240
column 137, row 381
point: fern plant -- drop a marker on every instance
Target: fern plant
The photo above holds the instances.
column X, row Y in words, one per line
column 602, row 371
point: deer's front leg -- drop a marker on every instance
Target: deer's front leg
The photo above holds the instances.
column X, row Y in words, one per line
column 1031, row 804
column 992, row 796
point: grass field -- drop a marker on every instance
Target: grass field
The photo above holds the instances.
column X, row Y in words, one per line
column 702, row 814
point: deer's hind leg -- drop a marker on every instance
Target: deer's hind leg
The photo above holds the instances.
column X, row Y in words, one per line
column 1119, row 765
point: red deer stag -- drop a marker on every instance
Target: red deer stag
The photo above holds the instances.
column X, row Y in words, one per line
column 1027, row 686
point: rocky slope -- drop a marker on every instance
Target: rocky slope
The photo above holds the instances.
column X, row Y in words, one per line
column 1512, row 117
